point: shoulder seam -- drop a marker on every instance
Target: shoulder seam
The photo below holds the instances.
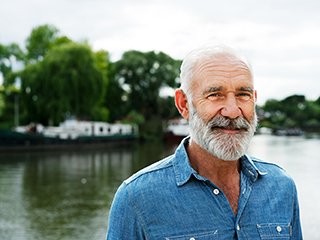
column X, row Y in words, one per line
column 149, row 169
column 256, row 160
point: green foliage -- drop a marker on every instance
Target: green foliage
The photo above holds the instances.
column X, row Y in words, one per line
column 9, row 55
column 133, row 91
column 152, row 129
column 102, row 61
column 68, row 82
column 59, row 41
column 167, row 108
column 135, row 118
column 2, row 102
column 9, row 97
column 115, row 98
column 141, row 75
column 40, row 41
column 292, row 112
column 101, row 112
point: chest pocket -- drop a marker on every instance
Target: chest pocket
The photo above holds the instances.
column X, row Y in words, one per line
column 197, row 236
column 274, row 231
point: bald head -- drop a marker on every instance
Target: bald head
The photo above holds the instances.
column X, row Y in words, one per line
column 217, row 56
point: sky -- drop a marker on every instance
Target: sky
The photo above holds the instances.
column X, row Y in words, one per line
column 280, row 38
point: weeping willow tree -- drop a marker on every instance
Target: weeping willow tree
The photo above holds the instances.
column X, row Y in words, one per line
column 70, row 81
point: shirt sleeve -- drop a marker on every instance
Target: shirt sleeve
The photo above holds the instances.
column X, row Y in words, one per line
column 123, row 220
column 296, row 225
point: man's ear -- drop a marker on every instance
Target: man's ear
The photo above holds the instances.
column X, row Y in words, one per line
column 182, row 103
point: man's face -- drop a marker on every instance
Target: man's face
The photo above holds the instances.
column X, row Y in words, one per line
column 222, row 114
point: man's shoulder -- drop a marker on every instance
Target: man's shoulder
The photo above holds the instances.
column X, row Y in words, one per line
column 267, row 164
column 272, row 169
column 275, row 177
column 152, row 171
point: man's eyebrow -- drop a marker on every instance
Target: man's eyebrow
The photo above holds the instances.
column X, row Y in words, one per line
column 246, row 89
column 217, row 89
column 212, row 89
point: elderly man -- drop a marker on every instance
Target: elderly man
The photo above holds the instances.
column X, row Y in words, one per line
column 209, row 188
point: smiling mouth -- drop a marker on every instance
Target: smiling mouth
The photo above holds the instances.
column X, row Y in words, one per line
column 229, row 128
column 226, row 125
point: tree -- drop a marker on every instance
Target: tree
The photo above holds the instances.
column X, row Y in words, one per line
column 2, row 103
column 40, row 41
column 294, row 107
column 10, row 55
column 69, row 81
column 102, row 61
column 115, row 98
column 136, row 83
column 168, row 108
column 292, row 112
column 9, row 97
column 141, row 76
column 312, row 112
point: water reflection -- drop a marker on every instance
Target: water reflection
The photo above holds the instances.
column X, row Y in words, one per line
column 66, row 190
column 65, row 195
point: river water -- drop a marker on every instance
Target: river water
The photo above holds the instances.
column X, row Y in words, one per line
column 66, row 194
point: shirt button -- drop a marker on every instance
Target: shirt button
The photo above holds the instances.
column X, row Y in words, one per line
column 238, row 227
column 216, row 191
column 192, row 238
column 279, row 229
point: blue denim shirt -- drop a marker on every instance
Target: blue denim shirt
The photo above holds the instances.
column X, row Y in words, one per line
column 170, row 200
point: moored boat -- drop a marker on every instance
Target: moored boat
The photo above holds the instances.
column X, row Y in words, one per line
column 68, row 133
column 176, row 130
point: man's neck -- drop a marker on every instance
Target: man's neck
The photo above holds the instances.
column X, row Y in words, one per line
column 224, row 174
column 211, row 167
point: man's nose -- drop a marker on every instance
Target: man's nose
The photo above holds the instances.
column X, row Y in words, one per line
column 230, row 108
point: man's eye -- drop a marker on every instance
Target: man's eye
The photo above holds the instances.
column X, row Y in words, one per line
column 244, row 96
column 215, row 95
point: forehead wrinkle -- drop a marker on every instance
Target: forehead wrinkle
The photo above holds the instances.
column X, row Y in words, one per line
column 229, row 74
column 225, row 75
column 223, row 69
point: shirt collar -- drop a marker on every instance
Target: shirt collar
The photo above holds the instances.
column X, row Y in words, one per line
column 183, row 170
column 250, row 169
column 181, row 164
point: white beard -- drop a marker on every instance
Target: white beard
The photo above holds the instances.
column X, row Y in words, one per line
column 222, row 145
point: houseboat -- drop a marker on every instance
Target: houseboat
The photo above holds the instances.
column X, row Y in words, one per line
column 176, row 130
column 68, row 133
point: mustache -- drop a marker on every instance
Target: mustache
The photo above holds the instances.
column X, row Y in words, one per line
column 239, row 123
